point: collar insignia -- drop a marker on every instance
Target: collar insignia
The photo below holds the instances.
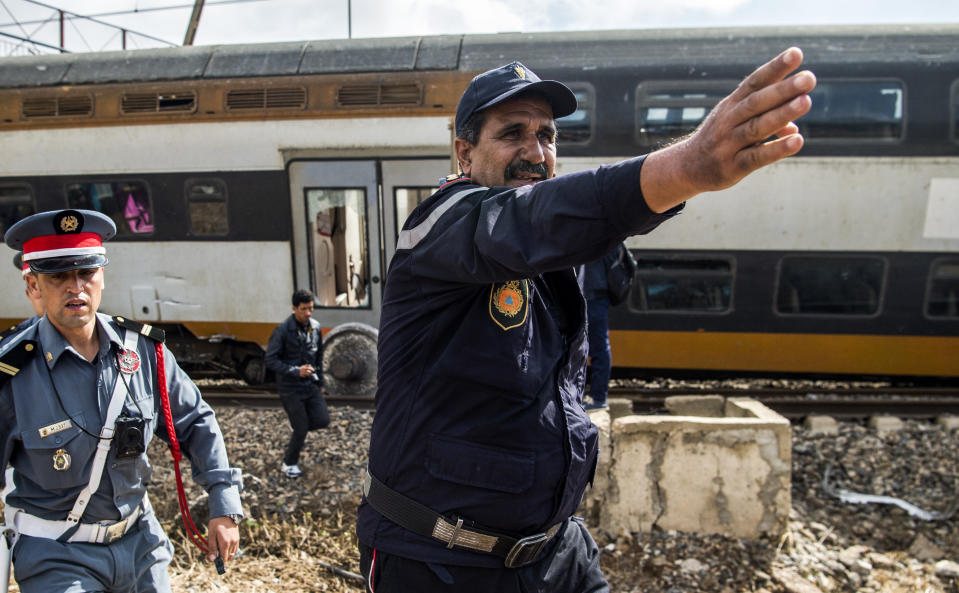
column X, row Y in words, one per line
column 509, row 303
column 520, row 72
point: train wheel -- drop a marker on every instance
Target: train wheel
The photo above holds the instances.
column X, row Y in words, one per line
column 349, row 361
column 253, row 370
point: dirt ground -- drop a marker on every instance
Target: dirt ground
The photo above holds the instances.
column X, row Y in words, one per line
column 298, row 535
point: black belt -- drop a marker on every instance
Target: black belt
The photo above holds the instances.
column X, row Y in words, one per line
column 419, row 519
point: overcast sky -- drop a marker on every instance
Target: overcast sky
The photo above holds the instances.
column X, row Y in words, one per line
column 248, row 21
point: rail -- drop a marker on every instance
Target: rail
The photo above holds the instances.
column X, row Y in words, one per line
column 789, row 401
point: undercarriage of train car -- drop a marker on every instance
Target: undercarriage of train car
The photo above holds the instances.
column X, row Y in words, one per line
column 349, row 359
column 216, row 356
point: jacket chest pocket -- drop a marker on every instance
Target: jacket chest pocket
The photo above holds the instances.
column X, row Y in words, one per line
column 57, row 459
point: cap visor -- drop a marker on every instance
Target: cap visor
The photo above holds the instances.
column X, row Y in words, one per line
column 560, row 98
column 54, row 265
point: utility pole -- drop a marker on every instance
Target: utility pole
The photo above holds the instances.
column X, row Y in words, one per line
column 349, row 19
column 194, row 22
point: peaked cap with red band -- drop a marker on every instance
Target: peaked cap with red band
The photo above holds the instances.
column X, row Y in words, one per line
column 62, row 240
column 19, row 264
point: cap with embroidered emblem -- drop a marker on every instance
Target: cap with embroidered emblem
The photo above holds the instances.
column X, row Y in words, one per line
column 499, row 84
column 62, row 240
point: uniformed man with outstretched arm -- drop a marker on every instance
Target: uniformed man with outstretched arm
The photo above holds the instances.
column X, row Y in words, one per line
column 80, row 400
column 481, row 450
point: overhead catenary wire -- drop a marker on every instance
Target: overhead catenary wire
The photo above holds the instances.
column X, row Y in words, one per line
column 75, row 15
column 134, row 11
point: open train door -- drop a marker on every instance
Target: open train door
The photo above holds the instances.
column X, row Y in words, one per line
column 337, row 254
column 343, row 237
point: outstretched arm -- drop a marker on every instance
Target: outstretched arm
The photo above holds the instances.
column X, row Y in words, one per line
column 731, row 142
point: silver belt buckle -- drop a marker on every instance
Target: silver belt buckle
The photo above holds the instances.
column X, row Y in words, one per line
column 115, row 531
column 526, row 550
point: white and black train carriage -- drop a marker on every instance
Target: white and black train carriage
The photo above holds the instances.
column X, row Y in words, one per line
column 238, row 173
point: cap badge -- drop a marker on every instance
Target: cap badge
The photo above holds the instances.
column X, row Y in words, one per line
column 509, row 303
column 69, row 224
column 129, row 361
column 520, row 72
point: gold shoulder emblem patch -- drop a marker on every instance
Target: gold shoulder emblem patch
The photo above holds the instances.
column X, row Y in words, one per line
column 509, row 303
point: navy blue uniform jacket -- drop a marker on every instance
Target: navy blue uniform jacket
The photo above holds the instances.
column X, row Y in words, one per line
column 482, row 349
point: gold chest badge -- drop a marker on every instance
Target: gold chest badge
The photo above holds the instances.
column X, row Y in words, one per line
column 61, row 460
column 509, row 303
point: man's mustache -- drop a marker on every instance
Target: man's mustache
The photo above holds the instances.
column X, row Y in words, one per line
column 522, row 166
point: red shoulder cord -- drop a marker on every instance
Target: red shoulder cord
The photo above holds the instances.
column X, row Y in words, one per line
column 191, row 529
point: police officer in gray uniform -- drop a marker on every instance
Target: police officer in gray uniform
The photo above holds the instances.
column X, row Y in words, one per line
column 34, row 303
column 79, row 404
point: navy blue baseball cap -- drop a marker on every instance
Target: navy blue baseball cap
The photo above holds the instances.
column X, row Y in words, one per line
column 494, row 86
column 62, row 240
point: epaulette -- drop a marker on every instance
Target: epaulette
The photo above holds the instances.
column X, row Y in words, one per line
column 9, row 332
column 451, row 179
column 15, row 328
column 15, row 358
column 144, row 329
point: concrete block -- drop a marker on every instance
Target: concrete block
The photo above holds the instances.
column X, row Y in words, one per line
column 699, row 474
column 884, row 424
column 948, row 422
column 619, row 407
column 592, row 504
column 696, row 405
column 821, row 425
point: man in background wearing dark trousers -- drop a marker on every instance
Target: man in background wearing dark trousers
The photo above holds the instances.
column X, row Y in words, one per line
column 596, row 290
column 295, row 354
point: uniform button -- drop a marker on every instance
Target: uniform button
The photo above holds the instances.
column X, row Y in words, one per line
column 113, row 466
column 58, row 440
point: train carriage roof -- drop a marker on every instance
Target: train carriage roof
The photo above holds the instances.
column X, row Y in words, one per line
column 474, row 53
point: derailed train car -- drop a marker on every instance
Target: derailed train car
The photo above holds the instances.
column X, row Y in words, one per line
column 238, row 173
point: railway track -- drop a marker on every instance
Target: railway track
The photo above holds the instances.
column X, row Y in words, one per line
column 797, row 402
column 789, row 401
column 265, row 397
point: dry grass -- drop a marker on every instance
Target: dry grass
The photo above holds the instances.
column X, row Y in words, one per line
column 280, row 554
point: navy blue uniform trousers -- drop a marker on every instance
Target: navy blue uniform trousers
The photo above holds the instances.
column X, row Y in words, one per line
column 570, row 565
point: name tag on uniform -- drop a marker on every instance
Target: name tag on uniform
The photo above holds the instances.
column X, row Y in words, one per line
column 55, row 428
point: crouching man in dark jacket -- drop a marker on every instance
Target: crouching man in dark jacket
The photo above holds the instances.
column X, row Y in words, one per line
column 295, row 354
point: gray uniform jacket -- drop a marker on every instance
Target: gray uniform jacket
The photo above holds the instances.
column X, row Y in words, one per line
column 38, row 418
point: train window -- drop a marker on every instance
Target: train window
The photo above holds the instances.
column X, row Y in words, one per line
column 681, row 285
column 339, row 253
column 16, row 202
column 206, row 203
column 666, row 110
column 407, row 198
column 577, row 127
column 852, row 109
column 943, row 293
column 829, row 285
column 126, row 202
